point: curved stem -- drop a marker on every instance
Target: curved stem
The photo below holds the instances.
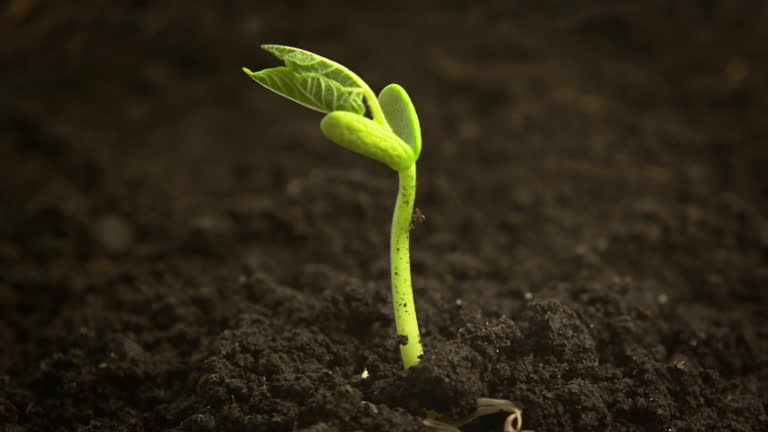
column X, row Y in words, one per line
column 376, row 112
column 402, row 292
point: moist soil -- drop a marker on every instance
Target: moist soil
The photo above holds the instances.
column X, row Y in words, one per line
column 181, row 250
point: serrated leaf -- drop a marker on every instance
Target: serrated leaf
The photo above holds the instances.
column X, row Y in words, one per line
column 362, row 135
column 312, row 81
column 401, row 116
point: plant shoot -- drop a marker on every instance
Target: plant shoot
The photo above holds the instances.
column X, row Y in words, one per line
column 391, row 136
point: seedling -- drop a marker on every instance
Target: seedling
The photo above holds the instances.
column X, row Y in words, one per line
column 391, row 136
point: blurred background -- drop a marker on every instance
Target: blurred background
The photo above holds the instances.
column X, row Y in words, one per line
column 135, row 118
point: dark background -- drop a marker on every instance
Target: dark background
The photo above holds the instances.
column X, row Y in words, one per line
column 181, row 249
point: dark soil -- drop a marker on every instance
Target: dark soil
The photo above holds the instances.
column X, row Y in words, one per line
column 182, row 250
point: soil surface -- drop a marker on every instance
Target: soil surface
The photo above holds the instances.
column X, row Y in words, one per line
column 182, row 250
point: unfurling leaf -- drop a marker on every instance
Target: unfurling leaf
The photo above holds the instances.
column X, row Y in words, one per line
column 362, row 135
column 311, row 90
column 312, row 81
column 304, row 61
column 401, row 116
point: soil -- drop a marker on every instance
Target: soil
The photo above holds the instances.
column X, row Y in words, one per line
column 181, row 250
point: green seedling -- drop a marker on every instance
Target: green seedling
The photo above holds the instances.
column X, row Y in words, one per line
column 383, row 128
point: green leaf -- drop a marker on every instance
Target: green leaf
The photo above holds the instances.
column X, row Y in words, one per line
column 311, row 90
column 401, row 116
column 306, row 62
column 312, row 81
column 362, row 135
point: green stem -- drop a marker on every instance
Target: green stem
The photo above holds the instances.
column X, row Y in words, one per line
column 402, row 292
column 376, row 112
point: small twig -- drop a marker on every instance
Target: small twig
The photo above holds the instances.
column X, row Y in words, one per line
column 485, row 406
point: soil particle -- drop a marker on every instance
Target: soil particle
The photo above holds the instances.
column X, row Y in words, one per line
column 555, row 330
column 113, row 234
column 402, row 340
column 199, row 423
